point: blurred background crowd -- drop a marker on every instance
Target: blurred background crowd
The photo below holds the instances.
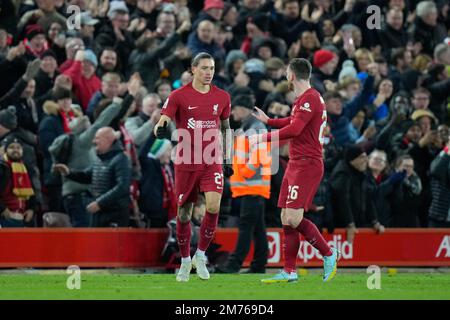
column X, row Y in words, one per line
column 63, row 86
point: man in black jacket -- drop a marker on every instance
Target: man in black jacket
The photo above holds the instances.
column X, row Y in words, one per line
column 393, row 35
column 426, row 30
column 352, row 205
column 114, row 33
column 110, row 179
column 439, row 213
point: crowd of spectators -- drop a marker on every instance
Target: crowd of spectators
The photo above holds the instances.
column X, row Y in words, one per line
column 78, row 104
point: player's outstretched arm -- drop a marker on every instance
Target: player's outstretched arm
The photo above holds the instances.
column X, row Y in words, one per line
column 274, row 123
column 161, row 128
column 293, row 129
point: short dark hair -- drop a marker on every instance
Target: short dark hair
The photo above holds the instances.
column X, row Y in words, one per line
column 331, row 95
column 397, row 54
column 109, row 49
column 401, row 158
column 301, row 68
column 202, row 55
column 421, row 90
column 286, row 2
column 60, row 93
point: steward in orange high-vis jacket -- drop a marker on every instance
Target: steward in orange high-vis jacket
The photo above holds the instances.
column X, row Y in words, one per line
column 250, row 187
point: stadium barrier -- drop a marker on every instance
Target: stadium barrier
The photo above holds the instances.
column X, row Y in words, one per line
column 105, row 248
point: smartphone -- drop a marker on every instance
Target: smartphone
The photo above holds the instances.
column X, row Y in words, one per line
column 348, row 39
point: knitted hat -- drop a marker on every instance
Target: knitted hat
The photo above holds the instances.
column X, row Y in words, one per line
column 261, row 20
column 243, row 100
column 321, row 57
column 117, row 6
column 235, row 55
column 61, row 93
column 8, row 118
column 10, row 140
column 90, row 56
column 33, row 30
column 86, row 19
column 158, row 148
column 353, row 152
column 348, row 69
column 237, row 90
column 254, row 65
column 211, row 4
column 48, row 53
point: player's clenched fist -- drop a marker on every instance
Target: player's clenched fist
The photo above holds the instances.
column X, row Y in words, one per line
column 227, row 170
column 161, row 131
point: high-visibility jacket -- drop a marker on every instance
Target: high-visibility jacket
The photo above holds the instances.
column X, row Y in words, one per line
column 251, row 165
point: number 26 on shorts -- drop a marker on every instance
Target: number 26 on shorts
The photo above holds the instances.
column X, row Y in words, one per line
column 292, row 192
column 218, row 179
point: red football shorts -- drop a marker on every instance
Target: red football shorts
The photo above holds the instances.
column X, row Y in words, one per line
column 300, row 183
column 189, row 183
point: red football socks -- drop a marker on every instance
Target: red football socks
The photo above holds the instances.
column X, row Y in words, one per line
column 184, row 238
column 314, row 237
column 207, row 229
column 291, row 244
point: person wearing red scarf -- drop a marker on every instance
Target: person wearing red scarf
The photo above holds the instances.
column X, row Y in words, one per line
column 35, row 42
column 59, row 113
column 16, row 195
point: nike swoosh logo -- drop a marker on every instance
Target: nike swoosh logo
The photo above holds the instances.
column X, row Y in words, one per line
column 190, row 108
column 287, row 202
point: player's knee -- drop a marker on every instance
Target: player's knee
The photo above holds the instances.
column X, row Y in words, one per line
column 184, row 214
column 212, row 208
column 184, row 217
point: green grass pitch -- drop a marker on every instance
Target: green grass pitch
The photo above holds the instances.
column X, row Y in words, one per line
column 234, row 287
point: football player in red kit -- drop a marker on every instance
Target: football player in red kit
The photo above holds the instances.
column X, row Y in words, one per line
column 304, row 172
column 199, row 110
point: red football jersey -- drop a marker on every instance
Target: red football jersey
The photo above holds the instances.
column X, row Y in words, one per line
column 197, row 116
column 305, row 126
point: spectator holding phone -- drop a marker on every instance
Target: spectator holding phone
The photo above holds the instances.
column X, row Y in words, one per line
column 406, row 198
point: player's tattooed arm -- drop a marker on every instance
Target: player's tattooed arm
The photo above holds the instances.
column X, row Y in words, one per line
column 160, row 130
column 227, row 140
